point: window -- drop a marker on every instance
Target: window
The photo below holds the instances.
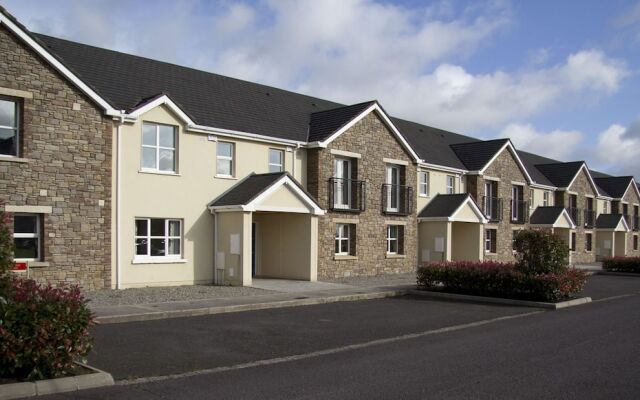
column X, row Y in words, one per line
column 514, row 234
column 588, row 242
column 606, row 207
column 393, row 188
column 343, row 239
column 423, row 184
column 490, row 200
column 516, row 202
column 9, row 126
column 276, row 160
column 490, row 240
column 531, row 197
column 451, row 184
column 573, row 241
column 546, row 199
column 224, row 159
column 394, row 239
column 635, row 242
column 26, row 237
column 157, row 237
column 342, row 182
column 158, row 147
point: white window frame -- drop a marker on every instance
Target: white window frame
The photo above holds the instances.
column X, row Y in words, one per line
column 342, row 168
column 393, row 190
column 451, row 184
column 231, row 159
column 391, row 238
column 546, row 196
column 17, row 109
column 36, row 235
column 343, row 234
column 516, row 190
column 489, row 199
column 423, row 184
column 489, row 239
column 165, row 237
column 157, row 148
column 280, row 167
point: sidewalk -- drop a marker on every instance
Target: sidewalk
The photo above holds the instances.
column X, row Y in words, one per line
column 328, row 293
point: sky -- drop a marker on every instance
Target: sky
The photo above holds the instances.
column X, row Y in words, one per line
column 560, row 78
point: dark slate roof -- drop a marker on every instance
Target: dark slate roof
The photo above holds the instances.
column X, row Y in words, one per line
column 475, row 155
column 614, row 186
column 247, row 189
column 608, row 221
column 545, row 215
column 443, row 205
column 560, row 174
column 530, row 161
column 325, row 123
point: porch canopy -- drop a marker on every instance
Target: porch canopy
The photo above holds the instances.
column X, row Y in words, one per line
column 451, row 228
column 266, row 225
column 611, row 235
column 552, row 218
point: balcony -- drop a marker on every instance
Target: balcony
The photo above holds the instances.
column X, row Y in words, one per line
column 589, row 219
column 635, row 223
column 492, row 208
column 397, row 199
column 519, row 212
column 574, row 213
column 348, row 195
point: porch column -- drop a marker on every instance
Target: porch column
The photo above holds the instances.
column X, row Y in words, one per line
column 247, row 219
column 480, row 242
column 448, row 245
column 313, row 249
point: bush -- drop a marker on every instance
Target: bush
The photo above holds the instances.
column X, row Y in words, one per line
column 621, row 264
column 6, row 252
column 500, row 280
column 43, row 330
column 539, row 252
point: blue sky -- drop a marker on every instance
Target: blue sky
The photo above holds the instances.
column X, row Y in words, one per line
column 558, row 77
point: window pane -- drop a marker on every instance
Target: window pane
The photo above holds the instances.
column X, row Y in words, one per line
column 157, row 227
column 174, row 247
column 174, row 228
column 337, row 250
column 225, row 149
column 224, row 167
column 275, row 168
column 167, row 136
column 149, row 134
column 157, row 247
column 275, row 157
column 8, row 141
column 25, row 224
column 148, row 157
column 344, row 246
column 7, row 113
column 141, row 227
column 26, row 248
column 141, row 247
column 167, row 161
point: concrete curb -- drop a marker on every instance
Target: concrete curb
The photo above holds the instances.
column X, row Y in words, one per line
column 498, row 300
column 155, row 315
column 58, row 385
column 611, row 273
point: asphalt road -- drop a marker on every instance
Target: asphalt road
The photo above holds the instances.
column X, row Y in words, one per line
column 392, row 348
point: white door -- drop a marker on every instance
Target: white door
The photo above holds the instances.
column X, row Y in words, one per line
column 342, row 183
column 393, row 190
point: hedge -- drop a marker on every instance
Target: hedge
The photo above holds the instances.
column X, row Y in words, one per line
column 504, row 280
column 621, row 264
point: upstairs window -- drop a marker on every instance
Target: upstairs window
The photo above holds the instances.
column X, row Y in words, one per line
column 546, row 202
column 276, row 160
column 423, row 184
column 9, row 126
column 159, row 147
column 26, row 237
column 224, row 159
column 451, row 184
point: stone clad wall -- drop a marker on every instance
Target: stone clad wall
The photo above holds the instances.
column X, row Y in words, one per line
column 373, row 141
column 68, row 168
column 582, row 186
column 631, row 197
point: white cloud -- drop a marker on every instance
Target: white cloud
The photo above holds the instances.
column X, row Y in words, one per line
column 618, row 149
column 557, row 144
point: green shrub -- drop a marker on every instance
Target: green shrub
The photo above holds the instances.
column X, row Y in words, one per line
column 43, row 330
column 500, row 280
column 539, row 252
column 621, row 264
column 6, row 252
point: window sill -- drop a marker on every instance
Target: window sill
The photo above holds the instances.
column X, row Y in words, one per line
column 143, row 171
column 426, row 196
column 392, row 255
column 159, row 260
column 14, row 159
column 38, row 264
column 233, row 178
column 340, row 257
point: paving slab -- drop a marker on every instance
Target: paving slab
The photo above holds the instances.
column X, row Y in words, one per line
column 290, row 286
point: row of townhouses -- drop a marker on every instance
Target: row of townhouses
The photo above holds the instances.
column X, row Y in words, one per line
column 120, row 171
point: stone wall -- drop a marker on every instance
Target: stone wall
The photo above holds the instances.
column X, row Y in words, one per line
column 373, row 141
column 582, row 186
column 631, row 198
column 66, row 143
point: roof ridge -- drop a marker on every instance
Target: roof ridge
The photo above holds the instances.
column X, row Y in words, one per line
column 345, row 106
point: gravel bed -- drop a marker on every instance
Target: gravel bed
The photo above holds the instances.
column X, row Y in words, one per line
column 147, row 295
column 378, row 280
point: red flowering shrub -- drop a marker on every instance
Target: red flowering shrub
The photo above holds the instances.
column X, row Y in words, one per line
column 499, row 280
column 43, row 330
column 622, row 264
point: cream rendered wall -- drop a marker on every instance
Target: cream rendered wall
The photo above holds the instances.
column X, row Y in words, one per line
column 601, row 237
column 467, row 213
column 538, row 198
column 466, row 242
column 184, row 195
column 427, row 233
column 600, row 206
column 620, row 245
column 437, row 184
column 237, row 264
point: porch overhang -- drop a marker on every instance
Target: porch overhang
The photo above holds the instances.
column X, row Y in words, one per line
column 551, row 217
column 452, row 208
column 612, row 223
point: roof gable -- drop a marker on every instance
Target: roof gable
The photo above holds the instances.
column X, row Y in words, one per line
column 324, row 124
column 560, row 174
column 612, row 222
column 476, row 155
column 552, row 217
column 452, row 207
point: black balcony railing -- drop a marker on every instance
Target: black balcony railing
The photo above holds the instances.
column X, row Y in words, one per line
column 519, row 211
column 574, row 213
column 397, row 199
column 636, row 223
column 347, row 195
column 492, row 208
column 589, row 219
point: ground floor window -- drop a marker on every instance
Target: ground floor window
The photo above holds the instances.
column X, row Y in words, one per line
column 158, row 237
column 345, row 239
column 490, row 240
column 395, row 239
column 573, row 241
column 635, row 242
column 27, row 229
column 589, row 241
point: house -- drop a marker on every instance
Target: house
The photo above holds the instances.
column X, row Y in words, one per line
column 121, row 171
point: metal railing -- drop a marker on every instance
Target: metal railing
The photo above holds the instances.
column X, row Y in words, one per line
column 348, row 195
column 519, row 212
column 492, row 208
column 636, row 223
column 589, row 218
column 397, row 199
column 574, row 213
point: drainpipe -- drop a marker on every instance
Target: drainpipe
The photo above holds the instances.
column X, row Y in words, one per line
column 295, row 153
column 118, row 199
